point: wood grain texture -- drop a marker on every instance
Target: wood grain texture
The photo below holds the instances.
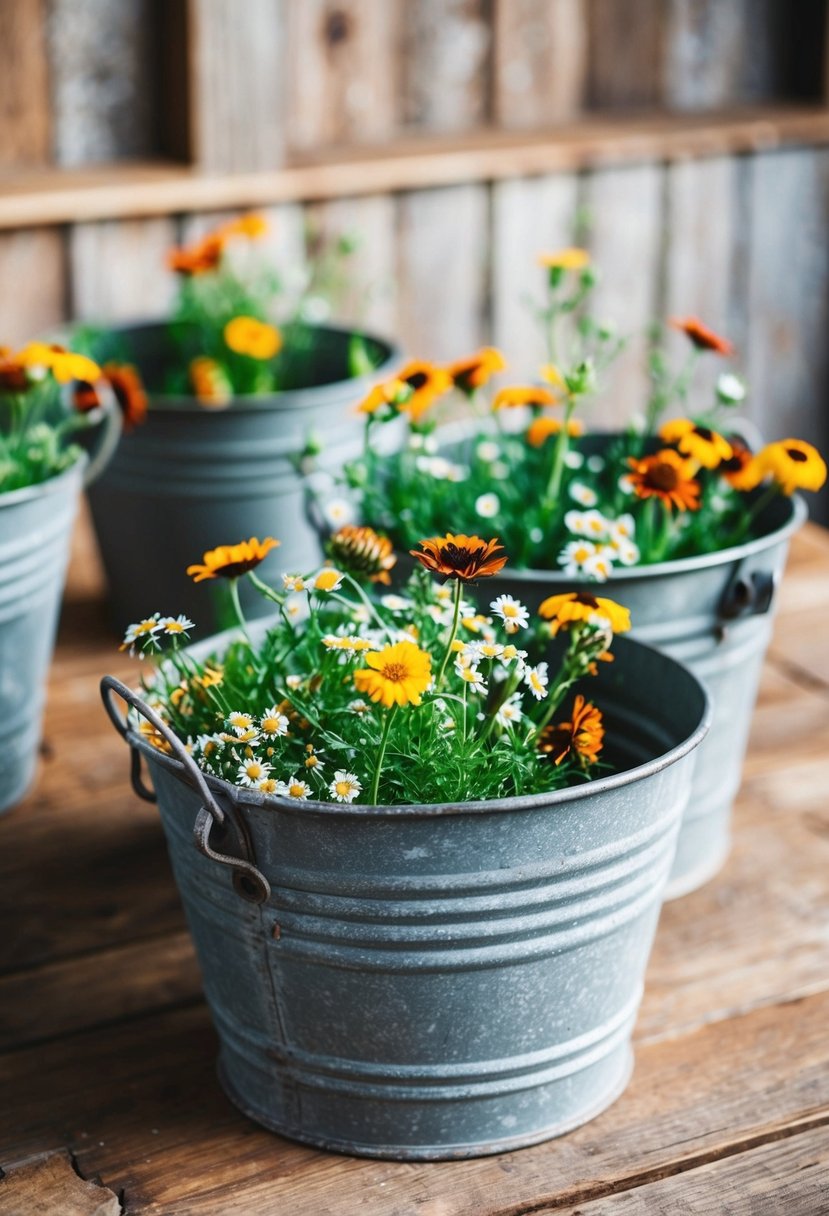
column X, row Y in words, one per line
column 442, row 271
column 540, row 61
column 236, row 71
column 705, row 51
column 33, row 198
column 624, row 219
column 625, row 52
column 342, row 71
column 367, row 295
column 445, row 64
column 25, row 125
column 118, row 269
column 790, row 1176
column 50, row 1185
column 528, row 215
column 33, row 274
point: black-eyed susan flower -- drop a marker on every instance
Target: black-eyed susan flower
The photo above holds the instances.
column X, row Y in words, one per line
column 707, row 447
column 582, row 736
column 426, row 384
column 396, row 675
column 701, row 336
column 345, row 786
column 232, row 561
column 249, row 336
column 475, row 371
column 388, row 393
column 535, row 396
column 571, row 607
column 794, row 465
column 125, row 381
column 210, row 382
column 667, row 476
column 464, row 558
column 362, row 551
column 200, row 256
column 15, row 375
column 251, row 225
column 741, row 470
column 572, row 258
column 540, row 430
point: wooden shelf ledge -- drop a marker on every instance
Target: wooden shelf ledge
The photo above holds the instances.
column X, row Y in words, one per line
column 58, row 196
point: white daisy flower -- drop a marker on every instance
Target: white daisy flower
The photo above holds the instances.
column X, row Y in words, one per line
column 510, row 712
column 359, row 706
column 430, row 444
column 595, row 525
column 252, row 771
column 575, row 555
column 500, row 470
column 730, row 388
column 208, row 745
column 471, row 676
column 239, row 723
column 576, row 522
column 338, row 512
column 483, row 650
column 293, row 582
column 396, row 603
column 583, row 495
column 293, row 682
column 175, row 625
column 595, row 463
column 621, row 529
column 415, row 441
column 268, row 786
column 487, row 505
column 599, row 566
column 627, row 553
column 273, row 723
column 293, row 788
column 360, row 614
column 345, row 786
column 625, row 484
column 511, row 654
column 488, row 451
column 574, row 460
column 328, row 579
column 537, row 679
column 512, row 612
column 536, row 535
column 457, row 472
column 292, row 607
column 141, row 631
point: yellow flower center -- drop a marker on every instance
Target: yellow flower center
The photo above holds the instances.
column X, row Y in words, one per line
column 296, row 790
column 344, row 788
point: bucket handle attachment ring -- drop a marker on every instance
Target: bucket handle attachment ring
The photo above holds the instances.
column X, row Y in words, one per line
column 248, row 881
column 749, row 595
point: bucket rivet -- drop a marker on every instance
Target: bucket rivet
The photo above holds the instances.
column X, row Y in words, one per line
column 276, row 932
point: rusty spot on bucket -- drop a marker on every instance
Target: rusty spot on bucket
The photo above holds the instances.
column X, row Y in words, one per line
column 276, row 932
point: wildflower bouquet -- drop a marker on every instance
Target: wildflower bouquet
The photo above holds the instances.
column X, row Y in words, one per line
column 238, row 327
column 48, row 394
column 560, row 499
column 353, row 694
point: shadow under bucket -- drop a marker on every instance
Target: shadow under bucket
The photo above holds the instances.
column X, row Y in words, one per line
column 427, row 982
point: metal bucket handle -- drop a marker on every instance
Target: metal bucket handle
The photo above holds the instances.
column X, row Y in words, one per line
column 748, row 595
column 248, row 881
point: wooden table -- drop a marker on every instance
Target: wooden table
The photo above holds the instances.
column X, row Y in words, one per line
column 108, row 1052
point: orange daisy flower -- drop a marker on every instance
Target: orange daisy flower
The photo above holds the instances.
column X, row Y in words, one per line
column 740, row 470
column 210, row 381
column 523, row 394
column 476, row 370
column 540, row 430
column 200, row 257
column 462, row 557
column 232, row 561
column 125, row 381
column 361, row 550
column 583, row 735
column 427, row 383
column 666, row 476
column 14, row 375
column 701, row 336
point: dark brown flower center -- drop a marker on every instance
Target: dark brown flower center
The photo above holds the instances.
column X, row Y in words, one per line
column 704, row 433
column 796, row 454
column 582, row 597
column 663, row 476
column 417, row 380
column 458, row 557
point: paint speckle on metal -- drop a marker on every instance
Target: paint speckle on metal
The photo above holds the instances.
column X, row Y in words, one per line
column 448, row 980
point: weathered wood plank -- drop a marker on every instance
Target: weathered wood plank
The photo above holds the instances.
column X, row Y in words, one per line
column 118, row 269
column 236, row 84
column 625, row 52
column 50, row 1185
column 705, row 50
column 177, row 1144
column 445, row 64
column 67, row 196
column 368, row 293
column 102, row 59
column 540, row 61
column 342, row 71
column 528, row 215
column 25, row 125
column 624, row 214
column 789, row 1176
column 442, row 271
column 33, row 278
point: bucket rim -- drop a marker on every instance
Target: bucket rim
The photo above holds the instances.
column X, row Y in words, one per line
column 240, row 796
column 255, row 403
column 52, row 485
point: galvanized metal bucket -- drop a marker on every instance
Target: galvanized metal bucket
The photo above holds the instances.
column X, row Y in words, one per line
column 713, row 613
column 191, row 478
column 35, row 529
column 424, row 982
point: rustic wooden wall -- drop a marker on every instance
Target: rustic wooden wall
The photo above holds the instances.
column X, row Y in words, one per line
column 740, row 239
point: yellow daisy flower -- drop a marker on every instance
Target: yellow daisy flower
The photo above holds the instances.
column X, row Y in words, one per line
column 396, row 675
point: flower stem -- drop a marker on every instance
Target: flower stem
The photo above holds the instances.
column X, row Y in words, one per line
column 381, row 753
column 237, row 608
column 265, row 590
column 559, row 455
column 455, row 619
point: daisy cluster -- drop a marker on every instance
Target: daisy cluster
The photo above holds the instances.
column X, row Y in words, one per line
column 368, row 694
